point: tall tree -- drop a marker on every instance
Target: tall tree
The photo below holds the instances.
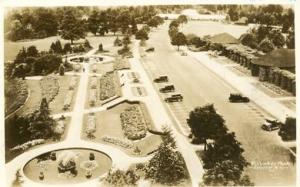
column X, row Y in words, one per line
column 182, row 19
column 179, row 39
column 72, row 27
column 93, row 22
column 206, row 123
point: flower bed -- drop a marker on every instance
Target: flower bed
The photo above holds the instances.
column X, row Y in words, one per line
column 68, row 100
column 73, row 83
column 133, row 123
column 92, row 97
column 122, row 63
column 91, row 125
column 107, row 86
column 50, row 87
column 94, row 81
column 28, row 144
column 118, row 142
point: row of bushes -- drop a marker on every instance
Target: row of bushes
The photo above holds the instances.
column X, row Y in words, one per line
column 133, row 123
column 16, row 93
column 91, row 125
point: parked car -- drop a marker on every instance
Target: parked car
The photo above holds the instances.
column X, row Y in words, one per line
column 161, row 79
column 167, row 88
column 183, row 53
column 151, row 49
column 236, row 98
column 271, row 125
column 174, row 98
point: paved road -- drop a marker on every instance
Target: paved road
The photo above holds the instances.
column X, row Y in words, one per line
column 270, row 160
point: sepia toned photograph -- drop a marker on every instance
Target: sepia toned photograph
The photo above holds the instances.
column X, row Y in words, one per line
column 150, row 95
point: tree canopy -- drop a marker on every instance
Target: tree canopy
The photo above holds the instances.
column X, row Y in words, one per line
column 179, row 39
column 72, row 28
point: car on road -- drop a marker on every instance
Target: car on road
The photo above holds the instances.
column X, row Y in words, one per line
column 151, row 49
column 183, row 53
column 161, row 79
column 238, row 98
column 174, row 98
column 271, row 125
column 167, row 88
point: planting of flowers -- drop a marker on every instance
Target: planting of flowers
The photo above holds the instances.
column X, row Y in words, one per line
column 68, row 99
column 116, row 141
column 133, row 123
column 94, row 82
column 121, row 63
column 50, row 87
column 91, row 125
column 28, row 144
column 92, row 97
column 107, row 86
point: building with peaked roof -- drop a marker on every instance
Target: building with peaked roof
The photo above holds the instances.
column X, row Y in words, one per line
column 223, row 38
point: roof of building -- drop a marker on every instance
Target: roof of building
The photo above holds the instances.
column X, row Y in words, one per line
column 282, row 58
column 242, row 20
column 224, row 38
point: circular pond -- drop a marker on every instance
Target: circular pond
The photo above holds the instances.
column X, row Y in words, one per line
column 67, row 166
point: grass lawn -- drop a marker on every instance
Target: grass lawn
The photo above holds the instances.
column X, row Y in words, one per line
column 11, row 49
column 56, row 106
column 51, row 175
column 109, row 124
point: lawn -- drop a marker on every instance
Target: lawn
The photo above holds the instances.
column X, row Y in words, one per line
column 49, row 167
column 202, row 28
column 56, row 106
column 11, row 49
column 108, row 124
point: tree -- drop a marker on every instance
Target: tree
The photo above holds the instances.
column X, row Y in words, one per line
column 225, row 173
column 266, row 45
column 178, row 40
column 45, row 23
column 20, row 58
column 32, row 51
column 72, row 28
column 126, row 40
column 167, row 166
column 225, row 147
column 182, row 19
column 93, row 22
column 61, row 69
column 141, row 35
column 233, row 14
column 288, row 129
column 290, row 40
column 206, row 123
column 277, row 38
column 174, row 23
column 67, row 48
column 248, row 39
column 41, row 124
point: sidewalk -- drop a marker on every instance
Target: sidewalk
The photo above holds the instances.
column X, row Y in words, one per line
column 269, row 104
